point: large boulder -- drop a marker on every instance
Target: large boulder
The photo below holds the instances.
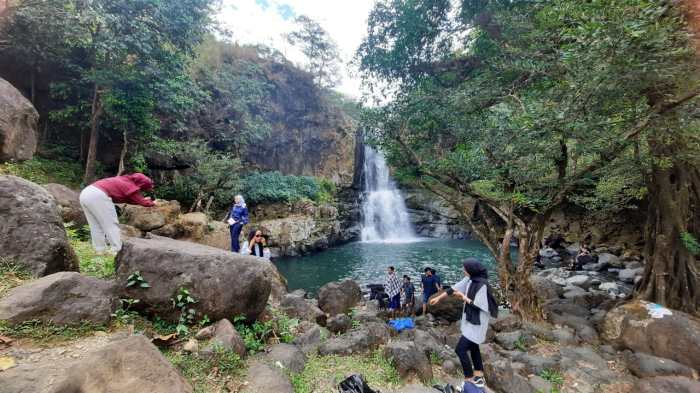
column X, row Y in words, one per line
column 676, row 335
column 223, row 284
column 289, row 356
column 643, row 365
column 449, row 309
column 32, row 232
column 130, row 365
column 61, row 298
column 18, row 124
column 339, row 297
column 68, row 202
column 150, row 218
column 408, row 359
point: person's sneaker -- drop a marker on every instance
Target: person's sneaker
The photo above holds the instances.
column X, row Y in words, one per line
column 479, row 382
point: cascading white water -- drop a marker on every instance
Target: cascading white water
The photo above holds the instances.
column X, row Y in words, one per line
column 384, row 214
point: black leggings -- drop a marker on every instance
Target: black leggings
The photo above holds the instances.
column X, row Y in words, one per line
column 463, row 346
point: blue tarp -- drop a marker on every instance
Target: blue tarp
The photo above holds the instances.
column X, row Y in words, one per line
column 402, row 323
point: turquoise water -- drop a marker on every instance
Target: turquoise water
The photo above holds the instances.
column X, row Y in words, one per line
column 367, row 262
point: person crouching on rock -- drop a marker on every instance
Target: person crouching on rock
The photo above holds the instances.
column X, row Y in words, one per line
column 479, row 305
column 237, row 218
column 98, row 199
column 392, row 286
column 256, row 243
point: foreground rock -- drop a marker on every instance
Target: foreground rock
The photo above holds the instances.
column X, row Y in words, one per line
column 131, row 365
column 150, row 218
column 408, row 359
column 222, row 283
column 645, row 327
column 222, row 335
column 62, row 298
column 667, row 384
column 366, row 338
column 265, row 378
column 68, row 203
column 305, row 309
column 288, row 356
column 32, row 232
column 18, row 124
column 339, row 297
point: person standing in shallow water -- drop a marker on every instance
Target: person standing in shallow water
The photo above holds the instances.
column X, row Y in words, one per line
column 392, row 287
column 236, row 219
column 479, row 306
column 98, row 199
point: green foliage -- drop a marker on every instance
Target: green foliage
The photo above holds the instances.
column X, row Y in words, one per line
column 320, row 50
column 690, row 243
column 42, row 171
column 125, row 315
column 324, row 373
column 257, row 334
column 135, row 279
column 184, row 302
column 207, row 374
column 554, row 377
column 91, row 263
column 521, row 344
column 213, row 176
column 43, row 332
column 268, row 187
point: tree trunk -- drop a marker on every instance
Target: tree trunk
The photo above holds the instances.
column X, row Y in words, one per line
column 91, row 159
column 524, row 300
column 122, row 155
column 671, row 275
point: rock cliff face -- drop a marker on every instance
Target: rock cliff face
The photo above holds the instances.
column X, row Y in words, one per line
column 18, row 124
column 309, row 135
column 432, row 216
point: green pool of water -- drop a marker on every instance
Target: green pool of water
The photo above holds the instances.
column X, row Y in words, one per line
column 367, row 262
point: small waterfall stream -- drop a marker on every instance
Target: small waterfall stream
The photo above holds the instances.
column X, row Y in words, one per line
column 384, row 214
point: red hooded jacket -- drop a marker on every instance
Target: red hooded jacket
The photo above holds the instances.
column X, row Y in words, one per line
column 127, row 189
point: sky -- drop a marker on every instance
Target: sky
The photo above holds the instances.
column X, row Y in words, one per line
column 266, row 21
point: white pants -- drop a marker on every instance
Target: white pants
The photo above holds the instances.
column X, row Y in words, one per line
column 102, row 217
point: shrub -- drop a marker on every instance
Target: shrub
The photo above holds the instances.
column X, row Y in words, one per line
column 42, row 171
column 275, row 187
column 256, row 335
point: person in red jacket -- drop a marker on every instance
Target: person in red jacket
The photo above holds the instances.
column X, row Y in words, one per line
column 98, row 201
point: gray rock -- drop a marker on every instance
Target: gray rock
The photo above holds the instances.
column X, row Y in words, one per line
column 545, row 288
column 408, row 359
column 301, row 308
column 509, row 340
column 548, row 253
column 609, row 286
column 311, row 340
column 339, row 323
column 32, row 232
column 646, row 366
column 506, row 322
column 18, row 125
column 223, row 335
column 68, row 203
column 675, row 336
column 265, row 378
column 222, row 283
column 628, row 275
column 667, row 384
column 64, row 298
column 573, row 291
column 565, row 336
column 366, row 338
column 339, row 297
column 540, row 384
column 634, row 265
column 130, row 365
column 579, row 280
column 289, row 356
column 609, row 259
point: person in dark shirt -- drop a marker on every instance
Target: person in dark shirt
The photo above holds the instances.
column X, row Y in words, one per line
column 409, row 296
column 430, row 285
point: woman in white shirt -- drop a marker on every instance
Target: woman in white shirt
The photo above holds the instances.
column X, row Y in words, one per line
column 479, row 306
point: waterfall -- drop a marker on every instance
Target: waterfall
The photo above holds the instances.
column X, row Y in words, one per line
column 384, row 214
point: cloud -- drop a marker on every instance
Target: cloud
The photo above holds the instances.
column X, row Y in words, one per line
column 266, row 22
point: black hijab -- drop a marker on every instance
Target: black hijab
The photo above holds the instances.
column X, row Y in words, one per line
column 479, row 277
